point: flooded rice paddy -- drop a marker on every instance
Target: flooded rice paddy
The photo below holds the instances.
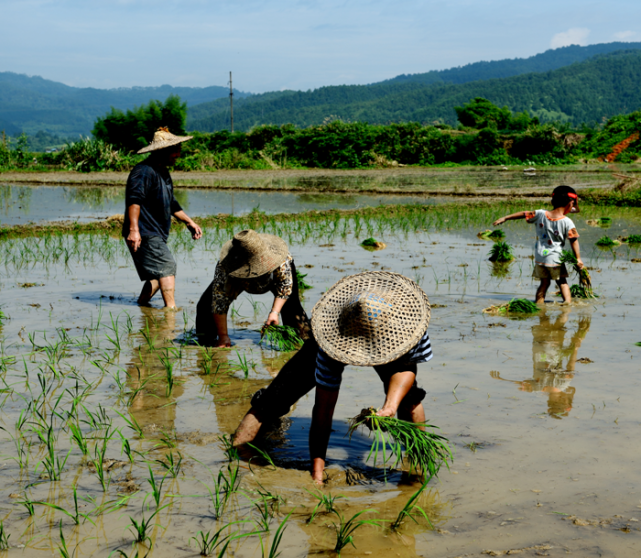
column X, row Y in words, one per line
column 112, row 418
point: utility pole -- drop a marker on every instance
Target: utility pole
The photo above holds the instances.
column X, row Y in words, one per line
column 231, row 103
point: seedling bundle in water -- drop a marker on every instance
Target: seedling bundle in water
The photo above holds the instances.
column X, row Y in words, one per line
column 607, row 242
column 373, row 244
column 515, row 306
column 498, row 234
column 584, row 288
column 300, row 280
column 425, row 451
column 281, row 338
column 501, row 252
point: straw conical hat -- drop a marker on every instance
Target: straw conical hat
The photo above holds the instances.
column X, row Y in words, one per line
column 163, row 138
column 250, row 254
column 371, row 318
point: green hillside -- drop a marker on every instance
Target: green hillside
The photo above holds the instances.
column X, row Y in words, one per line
column 587, row 91
column 552, row 59
column 31, row 104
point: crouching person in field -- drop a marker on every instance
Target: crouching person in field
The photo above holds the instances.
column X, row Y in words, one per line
column 374, row 319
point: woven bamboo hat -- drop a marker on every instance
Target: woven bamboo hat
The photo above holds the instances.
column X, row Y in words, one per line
column 250, row 254
column 371, row 318
column 163, row 138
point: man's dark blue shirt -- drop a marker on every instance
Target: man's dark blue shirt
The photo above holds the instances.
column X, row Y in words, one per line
column 149, row 185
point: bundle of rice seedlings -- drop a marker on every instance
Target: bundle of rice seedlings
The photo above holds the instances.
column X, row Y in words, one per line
column 607, row 242
column 300, row 279
column 424, row 451
column 584, row 288
column 634, row 239
column 605, row 220
column 373, row 244
column 515, row 306
column 281, row 338
column 501, row 252
column 497, row 234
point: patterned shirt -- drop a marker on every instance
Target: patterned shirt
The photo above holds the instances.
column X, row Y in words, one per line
column 551, row 235
column 329, row 372
column 225, row 289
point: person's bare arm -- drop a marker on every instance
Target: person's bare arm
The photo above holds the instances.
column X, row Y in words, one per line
column 221, row 327
column 577, row 252
column 133, row 239
column 272, row 318
column 320, row 429
column 519, row 215
column 196, row 231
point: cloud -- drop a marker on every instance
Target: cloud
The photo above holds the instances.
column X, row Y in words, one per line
column 624, row 36
column 574, row 36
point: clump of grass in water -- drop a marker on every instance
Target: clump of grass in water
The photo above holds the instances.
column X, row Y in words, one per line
column 425, row 451
column 501, row 252
column 634, row 239
column 411, row 509
column 281, row 338
column 607, row 242
column 515, row 306
column 373, row 244
column 498, row 234
column 300, row 279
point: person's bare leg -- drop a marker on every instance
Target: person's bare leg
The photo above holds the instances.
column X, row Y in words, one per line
column 149, row 289
column 248, row 428
column 167, row 287
column 412, row 413
column 542, row 291
column 565, row 290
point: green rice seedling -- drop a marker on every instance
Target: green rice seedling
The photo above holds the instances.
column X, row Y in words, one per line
column 585, row 281
column 257, row 305
column 264, row 514
column 605, row 222
column 281, row 338
column 171, row 464
column 28, row 505
column 345, row 528
column 412, row 508
column 522, row 306
column 98, row 461
column 76, row 515
column 141, row 529
column 115, row 329
column 424, row 451
column 244, row 365
column 273, row 500
column 125, row 446
column 579, row 291
column 169, row 373
column 64, row 551
column 501, row 252
column 300, row 280
column 168, row 438
column 78, row 437
column 224, row 487
column 133, row 424
column 208, row 542
column 325, row 501
column 262, row 454
column 156, row 487
column 372, row 244
column 4, row 537
column 23, row 448
column 3, row 317
column 634, row 239
column 607, row 242
column 228, row 447
column 52, row 463
column 278, row 537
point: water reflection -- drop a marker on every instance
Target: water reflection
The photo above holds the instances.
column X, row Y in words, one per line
column 555, row 347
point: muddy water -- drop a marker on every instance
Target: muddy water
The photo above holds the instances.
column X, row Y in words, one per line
column 542, row 412
column 37, row 204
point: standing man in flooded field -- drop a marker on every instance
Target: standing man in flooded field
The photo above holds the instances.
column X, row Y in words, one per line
column 150, row 204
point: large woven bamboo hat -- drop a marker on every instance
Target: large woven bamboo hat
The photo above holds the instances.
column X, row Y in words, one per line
column 250, row 254
column 163, row 138
column 371, row 318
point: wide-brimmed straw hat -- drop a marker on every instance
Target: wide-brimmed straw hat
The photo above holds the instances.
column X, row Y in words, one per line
column 163, row 138
column 250, row 254
column 371, row 318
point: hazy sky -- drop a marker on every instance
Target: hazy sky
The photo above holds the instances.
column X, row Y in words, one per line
column 288, row 44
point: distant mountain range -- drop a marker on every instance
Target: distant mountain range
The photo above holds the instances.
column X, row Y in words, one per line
column 32, row 104
column 573, row 83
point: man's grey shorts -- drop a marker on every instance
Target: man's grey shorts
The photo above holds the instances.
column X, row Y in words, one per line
column 153, row 260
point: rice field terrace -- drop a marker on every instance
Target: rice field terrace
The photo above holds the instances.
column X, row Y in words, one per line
column 115, row 423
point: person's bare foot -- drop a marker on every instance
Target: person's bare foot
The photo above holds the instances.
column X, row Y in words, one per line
column 247, row 429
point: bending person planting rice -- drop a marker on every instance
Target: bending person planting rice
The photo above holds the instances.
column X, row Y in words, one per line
column 150, row 204
column 374, row 319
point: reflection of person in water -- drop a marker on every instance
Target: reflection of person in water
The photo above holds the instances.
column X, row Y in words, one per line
column 554, row 360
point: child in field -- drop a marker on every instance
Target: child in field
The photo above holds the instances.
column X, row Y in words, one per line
column 553, row 228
